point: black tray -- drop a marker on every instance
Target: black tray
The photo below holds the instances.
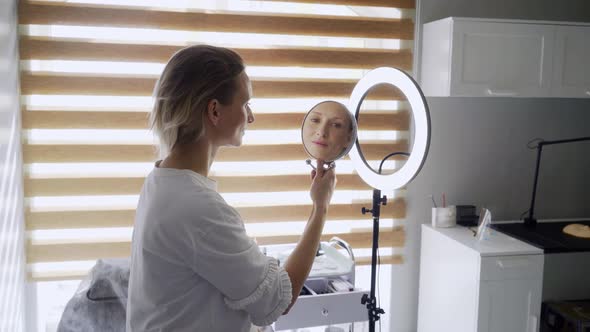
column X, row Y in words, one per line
column 548, row 236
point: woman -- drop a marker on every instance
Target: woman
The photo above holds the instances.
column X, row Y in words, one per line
column 328, row 131
column 193, row 268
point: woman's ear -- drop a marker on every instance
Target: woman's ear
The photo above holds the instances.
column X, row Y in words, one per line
column 213, row 111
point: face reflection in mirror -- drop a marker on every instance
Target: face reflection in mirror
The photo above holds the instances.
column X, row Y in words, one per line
column 329, row 131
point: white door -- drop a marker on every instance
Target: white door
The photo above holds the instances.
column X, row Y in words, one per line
column 571, row 69
column 509, row 306
column 501, row 59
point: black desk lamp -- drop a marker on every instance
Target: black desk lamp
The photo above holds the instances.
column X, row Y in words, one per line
column 530, row 221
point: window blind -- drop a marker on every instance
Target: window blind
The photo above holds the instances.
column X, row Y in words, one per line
column 88, row 69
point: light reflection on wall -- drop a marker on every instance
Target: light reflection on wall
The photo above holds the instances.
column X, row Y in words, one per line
column 12, row 260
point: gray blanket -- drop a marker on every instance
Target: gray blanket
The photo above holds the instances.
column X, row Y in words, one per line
column 100, row 303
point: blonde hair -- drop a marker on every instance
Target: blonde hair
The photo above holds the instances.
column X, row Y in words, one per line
column 192, row 77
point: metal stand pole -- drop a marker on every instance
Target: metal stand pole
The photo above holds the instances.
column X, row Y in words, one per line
column 371, row 301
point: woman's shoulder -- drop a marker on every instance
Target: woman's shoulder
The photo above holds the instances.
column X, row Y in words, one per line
column 177, row 194
column 184, row 199
column 180, row 184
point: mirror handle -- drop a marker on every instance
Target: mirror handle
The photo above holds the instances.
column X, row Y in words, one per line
column 330, row 164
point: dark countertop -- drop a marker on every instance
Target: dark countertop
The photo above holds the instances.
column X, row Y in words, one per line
column 548, row 236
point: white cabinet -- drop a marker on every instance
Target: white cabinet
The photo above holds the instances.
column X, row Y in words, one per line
column 506, row 58
column 489, row 286
column 571, row 62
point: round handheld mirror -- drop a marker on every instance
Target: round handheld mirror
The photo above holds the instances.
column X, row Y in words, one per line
column 328, row 132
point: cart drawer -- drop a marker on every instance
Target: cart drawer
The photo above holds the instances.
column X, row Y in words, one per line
column 324, row 309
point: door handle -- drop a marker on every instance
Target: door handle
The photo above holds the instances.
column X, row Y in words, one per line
column 501, row 93
column 533, row 319
column 507, row 264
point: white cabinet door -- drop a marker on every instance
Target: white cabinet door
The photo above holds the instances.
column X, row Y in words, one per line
column 501, row 59
column 571, row 69
column 509, row 306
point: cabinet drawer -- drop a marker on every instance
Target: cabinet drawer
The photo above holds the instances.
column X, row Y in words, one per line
column 324, row 309
column 511, row 267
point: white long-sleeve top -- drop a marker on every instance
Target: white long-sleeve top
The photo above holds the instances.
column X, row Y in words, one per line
column 193, row 267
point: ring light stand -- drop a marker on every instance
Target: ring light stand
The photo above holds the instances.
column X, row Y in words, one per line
column 379, row 182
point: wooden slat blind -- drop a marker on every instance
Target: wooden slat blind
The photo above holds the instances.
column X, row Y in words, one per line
column 409, row 4
column 42, row 153
column 73, row 14
column 130, row 186
column 46, row 220
column 110, row 85
column 138, row 120
column 47, row 223
column 59, row 252
column 64, row 49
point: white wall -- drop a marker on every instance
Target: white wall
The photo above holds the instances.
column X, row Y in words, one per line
column 12, row 258
column 478, row 151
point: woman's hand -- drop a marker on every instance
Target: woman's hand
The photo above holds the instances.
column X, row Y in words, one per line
column 322, row 185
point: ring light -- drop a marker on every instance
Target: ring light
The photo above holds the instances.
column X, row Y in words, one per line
column 410, row 88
